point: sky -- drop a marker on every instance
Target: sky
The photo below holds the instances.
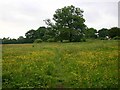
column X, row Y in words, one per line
column 19, row 16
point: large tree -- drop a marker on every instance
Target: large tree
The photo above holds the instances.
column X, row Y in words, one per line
column 69, row 22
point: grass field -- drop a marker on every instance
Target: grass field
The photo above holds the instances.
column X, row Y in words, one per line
column 91, row 64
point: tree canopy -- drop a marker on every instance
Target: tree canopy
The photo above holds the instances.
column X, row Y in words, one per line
column 69, row 22
column 113, row 32
column 90, row 33
column 103, row 32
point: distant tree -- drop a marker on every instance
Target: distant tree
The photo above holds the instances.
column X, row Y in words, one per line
column 6, row 40
column 38, row 41
column 68, row 20
column 90, row 33
column 103, row 33
column 9, row 41
column 114, row 31
column 13, row 41
column 30, row 36
column 40, row 32
column 21, row 39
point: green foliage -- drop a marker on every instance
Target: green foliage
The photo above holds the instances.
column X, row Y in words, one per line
column 69, row 20
column 116, row 38
column 103, row 33
column 38, row 41
column 77, row 38
column 66, row 41
column 9, row 41
column 51, row 40
column 90, row 33
column 30, row 34
column 40, row 32
column 46, row 37
column 64, row 34
column 102, row 38
column 21, row 39
column 84, row 39
column 114, row 31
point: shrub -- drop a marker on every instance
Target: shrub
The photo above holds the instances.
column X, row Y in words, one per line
column 46, row 37
column 38, row 41
column 65, row 41
column 51, row 40
column 78, row 38
column 116, row 38
column 102, row 38
column 83, row 39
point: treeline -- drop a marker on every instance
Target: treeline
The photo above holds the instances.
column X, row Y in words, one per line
column 47, row 35
column 69, row 26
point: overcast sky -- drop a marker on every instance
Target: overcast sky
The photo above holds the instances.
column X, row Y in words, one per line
column 19, row 16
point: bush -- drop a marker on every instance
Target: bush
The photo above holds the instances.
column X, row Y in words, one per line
column 66, row 41
column 102, row 38
column 38, row 41
column 116, row 38
column 51, row 40
column 46, row 37
column 78, row 38
column 83, row 39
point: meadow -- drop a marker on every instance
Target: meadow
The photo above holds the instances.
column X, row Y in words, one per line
column 91, row 64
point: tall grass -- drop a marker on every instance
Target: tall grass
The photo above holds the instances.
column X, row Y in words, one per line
column 91, row 64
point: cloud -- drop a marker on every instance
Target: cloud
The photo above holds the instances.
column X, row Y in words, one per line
column 99, row 15
column 19, row 16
